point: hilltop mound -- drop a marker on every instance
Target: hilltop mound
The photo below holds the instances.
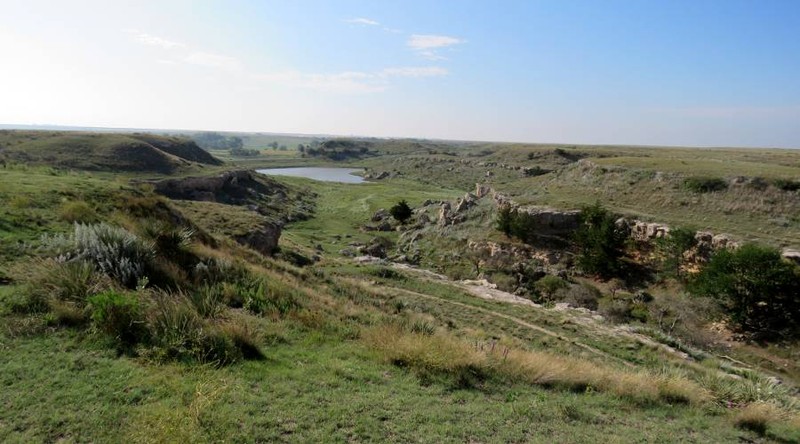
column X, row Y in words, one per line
column 103, row 152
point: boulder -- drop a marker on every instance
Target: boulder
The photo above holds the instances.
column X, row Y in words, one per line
column 465, row 203
column 444, row 214
column 791, row 255
column 380, row 215
column 264, row 240
column 482, row 190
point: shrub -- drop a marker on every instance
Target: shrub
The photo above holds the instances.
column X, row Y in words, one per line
column 208, row 300
column 259, row 297
column 169, row 241
column 118, row 315
column 786, row 184
column 756, row 417
column 112, row 250
column 600, row 242
column 77, row 211
column 580, row 295
column 68, row 314
column 174, row 326
column 401, row 211
column 758, row 289
column 243, row 339
column 215, row 270
column 549, row 285
column 705, row 184
column 672, row 248
column 47, row 280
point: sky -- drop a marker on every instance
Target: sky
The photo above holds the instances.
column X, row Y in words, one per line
column 636, row 72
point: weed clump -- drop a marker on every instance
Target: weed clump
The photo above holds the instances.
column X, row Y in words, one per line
column 114, row 251
column 756, row 417
column 118, row 315
column 77, row 211
column 705, row 184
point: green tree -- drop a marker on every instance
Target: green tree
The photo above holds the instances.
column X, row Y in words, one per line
column 401, row 211
column 759, row 290
column 549, row 285
column 505, row 216
column 600, row 241
column 672, row 247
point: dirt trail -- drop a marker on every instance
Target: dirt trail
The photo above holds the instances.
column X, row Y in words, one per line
column 510, row 318
column 483, row 290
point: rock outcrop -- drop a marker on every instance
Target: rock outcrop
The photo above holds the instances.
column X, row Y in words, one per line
column 264, row 240
column 248, row 189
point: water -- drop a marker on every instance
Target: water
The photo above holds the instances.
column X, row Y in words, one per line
column 344, row 175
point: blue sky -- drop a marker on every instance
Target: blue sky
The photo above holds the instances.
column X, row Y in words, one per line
column 698, row 73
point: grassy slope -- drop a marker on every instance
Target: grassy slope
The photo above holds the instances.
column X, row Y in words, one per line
column 644, row 182
column 104, row 152
column 342, row 209
column 317, row 383
column 310, row 389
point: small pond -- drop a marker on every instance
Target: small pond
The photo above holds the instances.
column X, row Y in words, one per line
column 344, row 175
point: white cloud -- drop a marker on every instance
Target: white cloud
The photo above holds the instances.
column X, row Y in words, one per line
column 351, row 82
column 415, row 71
column 427, row 45
column 363, row 21
column 152, row 40
column 213, row 61
column 345, row 82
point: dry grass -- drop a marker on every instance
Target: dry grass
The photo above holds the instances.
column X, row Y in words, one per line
column 445, row 354
column 757, row 417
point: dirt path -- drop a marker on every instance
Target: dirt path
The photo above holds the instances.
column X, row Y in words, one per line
column 483, row 290
column 509, row 318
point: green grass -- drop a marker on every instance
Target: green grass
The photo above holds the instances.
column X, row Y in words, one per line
column 63, row 387
column 342, row 208
column 320, row 380
column 104, row 152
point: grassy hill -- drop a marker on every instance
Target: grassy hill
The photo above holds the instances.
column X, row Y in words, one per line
column 103, row 152
column 148, row 322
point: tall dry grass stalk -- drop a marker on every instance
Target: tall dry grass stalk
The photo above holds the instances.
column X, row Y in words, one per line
column 446, row 354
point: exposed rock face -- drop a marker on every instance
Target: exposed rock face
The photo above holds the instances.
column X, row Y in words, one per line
column 647, row 231
column 243, row 188
column 263, row 240
column 381, row 215
column 233, row 187
column 444, row 214
column 791, row 255
column 550, row 221
column 468, row 201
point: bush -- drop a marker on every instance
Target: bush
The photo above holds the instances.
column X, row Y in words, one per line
column 47, row 280
column 169, row 241
column 580, row 295
column 705, row 184
column 112, row 250
column 671, row 249
column 756, row 417
column 208, row 300
column 178, row 333
column 549, row 285
column 757, row 288
column 118, row 315
column 600, row 241
column 244, row 340
column 786, row 184
column 260, row 298
column 401, row 211
column 77, row 211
